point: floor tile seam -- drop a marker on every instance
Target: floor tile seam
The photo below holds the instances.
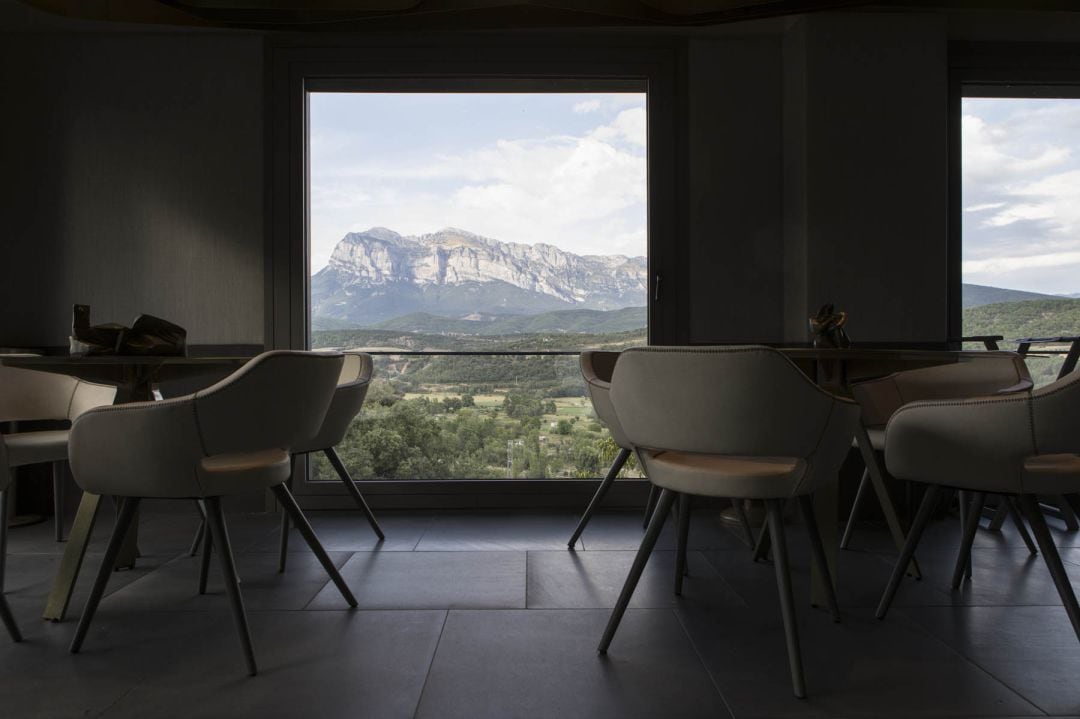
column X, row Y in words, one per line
column 423, row 533
column 720, row 575
column 322, row 587
column 114, row 702
column 704, row 666
column 431, row 664
column 914, row 625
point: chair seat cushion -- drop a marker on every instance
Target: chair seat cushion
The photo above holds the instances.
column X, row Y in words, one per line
column 224, row 474
column 1052, row 474
column 725, row 475
column 34, row 447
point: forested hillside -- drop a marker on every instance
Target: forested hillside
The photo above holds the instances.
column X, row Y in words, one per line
column 1029, row 318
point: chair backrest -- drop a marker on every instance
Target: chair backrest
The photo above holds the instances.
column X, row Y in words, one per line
column 28, row 395
column 984, row 374
column 749, row 401
column 352, row 387
column 1055, row 411
column 597, row 367
column 278, row 399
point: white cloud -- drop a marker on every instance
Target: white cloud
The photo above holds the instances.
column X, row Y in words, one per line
column 586, row 106
column 1021, row 186
column 585, row 193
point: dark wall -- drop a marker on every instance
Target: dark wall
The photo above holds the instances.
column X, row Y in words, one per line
column 133, row 182
column 874, row 191
column 816, row 172
column 736, row 190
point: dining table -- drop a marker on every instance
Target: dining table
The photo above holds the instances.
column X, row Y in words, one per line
column 137, row 378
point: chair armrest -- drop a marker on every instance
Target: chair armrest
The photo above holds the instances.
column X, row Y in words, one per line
column 142, row 449
column 978, row 443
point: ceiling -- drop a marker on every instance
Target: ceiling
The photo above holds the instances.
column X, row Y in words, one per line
column 338, row 15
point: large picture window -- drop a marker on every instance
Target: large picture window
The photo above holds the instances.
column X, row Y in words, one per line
column 475, row 229
column 1020, row 217
column 477, row 241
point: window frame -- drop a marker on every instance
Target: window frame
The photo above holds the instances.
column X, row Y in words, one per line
column 294, row 71
column 1009, row 70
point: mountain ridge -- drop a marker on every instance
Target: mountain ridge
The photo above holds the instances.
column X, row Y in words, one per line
column 376, row 275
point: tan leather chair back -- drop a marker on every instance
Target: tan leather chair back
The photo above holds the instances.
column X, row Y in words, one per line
column 1056, row 416
column 749, row 401
column 28, row 395
column 352, row 388
column 597, row 368
column 153, row 449
column 985, row 374
column 278, row 399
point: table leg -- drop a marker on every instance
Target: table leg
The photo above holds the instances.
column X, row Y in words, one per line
column 78, row 540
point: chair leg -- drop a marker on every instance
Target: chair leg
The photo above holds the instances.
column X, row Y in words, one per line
column 1001, row 513
column 123, row 521
column 763, row 543
column 964, row 506
column 59, row 474
column 204, row 565
column 849, row 528
column 971, row 525
column 1018, row 520
column 9, row 620
column 683, row 537
column 5, row 611
column 744, row 520
column 293, row 510
column 775, row 513
column 1067, row 514
column 219, row 534
column 283, row 541
column 873, row 463
column 1030, row 506
column 817, row 549
column 650, row 505
column 917, row 527
column 601, row 491
column 350, row 485
column 3, row 536
column 200, row 533
column 656, row 523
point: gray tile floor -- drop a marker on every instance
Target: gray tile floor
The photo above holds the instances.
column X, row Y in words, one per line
column 487, row 614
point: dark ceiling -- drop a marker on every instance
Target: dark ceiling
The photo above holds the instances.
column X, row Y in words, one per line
column 338, row 15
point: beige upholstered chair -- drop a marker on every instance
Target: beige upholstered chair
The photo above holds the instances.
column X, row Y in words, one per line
column 230, row 438
column 348, row 398
column 29, row 396
column 5, row 611
column 987, row 373
column 739, row 422
column 1020, row 445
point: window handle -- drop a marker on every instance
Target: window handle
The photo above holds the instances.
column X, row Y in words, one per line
column 656, row 291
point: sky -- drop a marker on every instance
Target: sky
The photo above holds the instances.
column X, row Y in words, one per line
column 568, row 169
column 1021, row 194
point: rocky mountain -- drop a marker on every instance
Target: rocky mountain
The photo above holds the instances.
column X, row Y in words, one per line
column 378, row 275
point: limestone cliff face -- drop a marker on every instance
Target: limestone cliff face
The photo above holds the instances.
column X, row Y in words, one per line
column 383, row 262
